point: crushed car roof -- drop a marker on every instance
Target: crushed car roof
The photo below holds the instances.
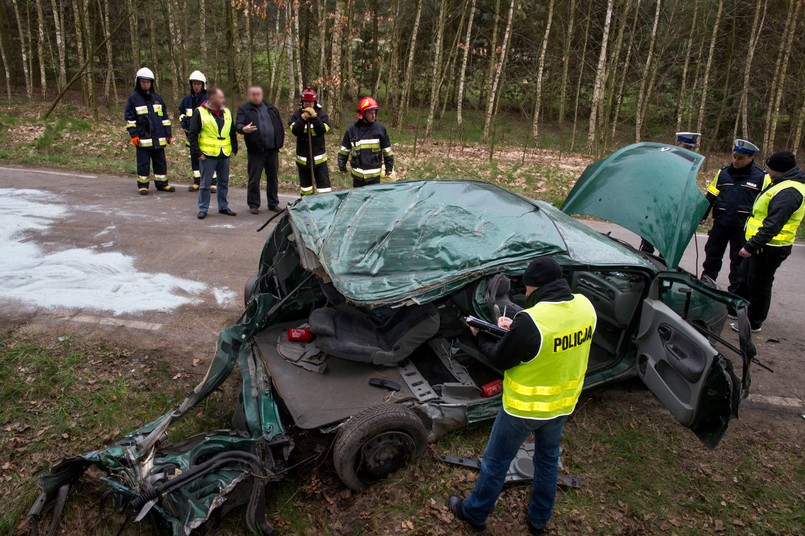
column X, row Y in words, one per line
column 421, row 240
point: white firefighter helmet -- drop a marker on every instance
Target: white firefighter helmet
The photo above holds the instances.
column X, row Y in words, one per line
column 198, row 76
column 144, row 73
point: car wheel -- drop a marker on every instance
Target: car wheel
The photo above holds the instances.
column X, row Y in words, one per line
column 247, row 290
column 377, row 442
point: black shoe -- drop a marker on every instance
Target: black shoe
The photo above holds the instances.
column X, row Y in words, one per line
column 274, row 208
column 534, row 530
column 213, row 188
column 193, row 188
column 454, row 503
column 143, row 191
column 167, row 189
column 202, row 215
column 254, row 210
column 228, row 212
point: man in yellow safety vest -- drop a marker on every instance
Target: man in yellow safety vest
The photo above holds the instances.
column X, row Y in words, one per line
column 544, row 356
column 213, row 140
column 770, row 234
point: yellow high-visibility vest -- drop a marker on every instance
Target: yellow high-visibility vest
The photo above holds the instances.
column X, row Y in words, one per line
column 211, row 141
column 549, row 385
column 788, row 234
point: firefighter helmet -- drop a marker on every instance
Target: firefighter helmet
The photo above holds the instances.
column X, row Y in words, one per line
column 198, row 76
column 309, row 94
column 366, row 104
column 144, row 73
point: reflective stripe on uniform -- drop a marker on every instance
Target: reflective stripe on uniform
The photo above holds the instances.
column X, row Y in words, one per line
column 148, row 142
column 141, row 110
column 713, row 186
column 343, row 151
column 211, row 142
column 131, row 124
column 158, row 109
column 533, row 390
column 166, row 122
column 305, row 190
column 325, row 190
column 196, row 174
column 541, row 407
column 318, row 159
column 366, row 173
column 188, row 112
column 143, row 180
column 388, row 151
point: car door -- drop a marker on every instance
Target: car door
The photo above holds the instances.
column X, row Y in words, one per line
column 685, row 372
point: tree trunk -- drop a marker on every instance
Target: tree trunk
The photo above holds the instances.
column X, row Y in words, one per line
column 489, row 76
column 152, row 40
column 642, row 100
column 58, row 20
column 725, row 89
column 321, row 9
column 335, row 65
column 133, row 36
column 289, row 50
column 173, row 47
column 566, row 62
column 181, row 30
column 800, row 124
column 247, row 20
column 449, row 72
column 90, row 58
column 29, row 90
column 300, row 81
column 462, row 77
column 274, row 41
column 202, row 29
column 600, row 78
column 492, row 97
column 435, row 76
column 757, row 26
column 235, row 64
column 5, row 68
column 581, row 75
column 682, row 99
column 706, row 79
column 540, row 71
column 624, row 71
column 393, row 79
column 788, row 40
column 110, row 58
column 40, row 48
column 609, row 87
column 349, row 76
column 409, row 70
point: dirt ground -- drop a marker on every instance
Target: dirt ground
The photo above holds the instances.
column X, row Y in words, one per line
column 114, row 236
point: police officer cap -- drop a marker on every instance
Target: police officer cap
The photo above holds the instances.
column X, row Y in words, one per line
column 541, row 271
column 744, row 147
column 688, row 138
column 782, row 161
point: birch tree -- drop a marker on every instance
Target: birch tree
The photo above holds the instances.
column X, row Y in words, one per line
column 563, row 85
column 491, row 98
column 409, row 69
column 462, row 77
column 706, row 78
column 5, row 68
column 335, row 64
column 40, row 48
column 109, row 81
column 58, row 22
column 757, row 25
column 24, row 52
column 540, row 70
column 600, row 78
column 642, row 100
column 580, row 79
column 624, row 71
column 682, row 99
column 437, row 66
column 773, row 113
column 201, row 16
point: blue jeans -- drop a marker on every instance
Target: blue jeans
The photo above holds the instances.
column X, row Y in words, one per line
column 508, row 433
column 208, row 167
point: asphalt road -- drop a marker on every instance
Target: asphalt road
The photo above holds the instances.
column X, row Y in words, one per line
column 85, row 256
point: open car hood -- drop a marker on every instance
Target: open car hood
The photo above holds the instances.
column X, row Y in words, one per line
column 647, row 188
column 421, row 240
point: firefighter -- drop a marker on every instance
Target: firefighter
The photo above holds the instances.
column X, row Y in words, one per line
column 770, row 234
column 731, row 195
column 150, row 130
column 309, row 124
column 367, row 146
column 197, row 95
column 686, row 140
column 544, row 357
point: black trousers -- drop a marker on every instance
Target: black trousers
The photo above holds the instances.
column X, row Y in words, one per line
column 268, row 161
column 757, row 279
column 148, row 158
column 357, row 182
column 320, row 172
column 719, row 238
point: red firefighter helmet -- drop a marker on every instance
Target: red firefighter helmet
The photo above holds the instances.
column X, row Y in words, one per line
column 309, row 95
column 366, row 104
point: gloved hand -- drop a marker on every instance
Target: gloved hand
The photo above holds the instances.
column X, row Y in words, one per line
column 135, row 141
column 305, row 115
column 310, row 112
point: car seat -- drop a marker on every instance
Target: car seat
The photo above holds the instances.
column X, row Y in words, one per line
column 355, row 335
column 497, row 297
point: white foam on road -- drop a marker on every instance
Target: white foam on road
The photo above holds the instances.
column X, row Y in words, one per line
column 76, row 278
column 224, row 296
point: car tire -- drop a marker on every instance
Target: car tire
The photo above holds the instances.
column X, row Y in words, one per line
column 377, row 442
column 247, row 290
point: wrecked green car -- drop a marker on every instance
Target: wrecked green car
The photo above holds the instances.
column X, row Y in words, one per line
column 354, row 326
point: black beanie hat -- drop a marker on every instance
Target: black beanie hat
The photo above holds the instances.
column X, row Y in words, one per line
column 781, row 162
column 541, row 271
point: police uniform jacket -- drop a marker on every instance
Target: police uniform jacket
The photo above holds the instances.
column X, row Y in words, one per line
column 733, row 192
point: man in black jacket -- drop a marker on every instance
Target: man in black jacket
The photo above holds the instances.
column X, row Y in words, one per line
column 770, row 234
column 731, row 195
column 366, row 146
column 263, row 132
